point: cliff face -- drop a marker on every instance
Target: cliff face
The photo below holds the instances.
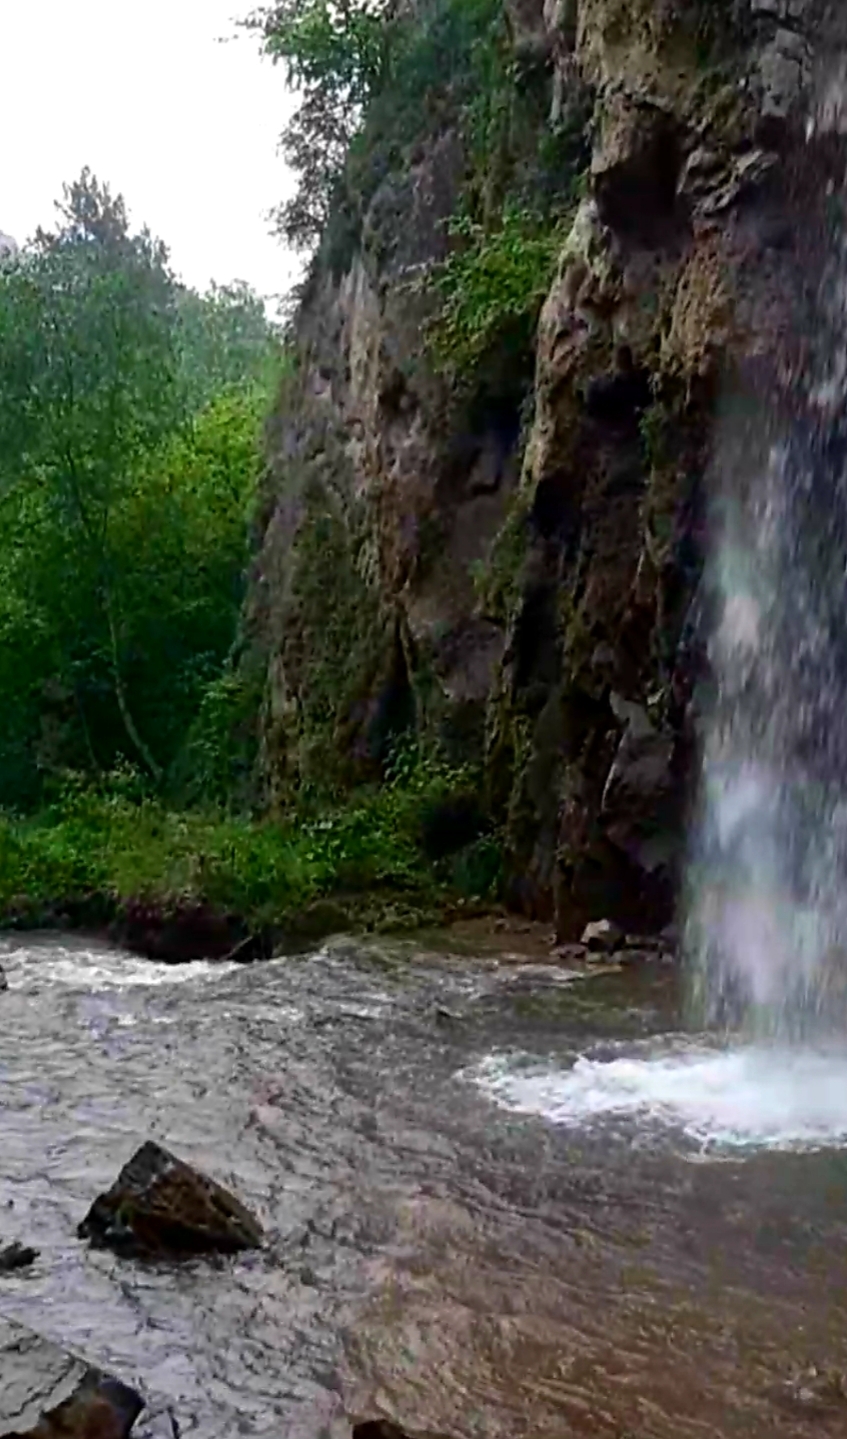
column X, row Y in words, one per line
column 513, row 567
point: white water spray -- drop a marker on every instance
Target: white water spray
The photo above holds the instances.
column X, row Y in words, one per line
column 767, row 913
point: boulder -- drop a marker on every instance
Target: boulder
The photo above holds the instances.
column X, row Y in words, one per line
column 602, row 937
column 159, row 1205
column 176, row 933
column 4, row 983
column 46, row 1393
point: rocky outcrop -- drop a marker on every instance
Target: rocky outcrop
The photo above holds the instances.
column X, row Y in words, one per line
column 685, row 279
column 46, row 1393
column 159, row 1205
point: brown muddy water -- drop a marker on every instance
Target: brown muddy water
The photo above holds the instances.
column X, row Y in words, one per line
column 502, row 1201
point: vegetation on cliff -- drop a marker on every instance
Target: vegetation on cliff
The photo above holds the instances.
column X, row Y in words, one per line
column 435, row 228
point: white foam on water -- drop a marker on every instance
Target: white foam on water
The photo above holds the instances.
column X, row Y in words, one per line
column 84, row 967
column 745, row 1097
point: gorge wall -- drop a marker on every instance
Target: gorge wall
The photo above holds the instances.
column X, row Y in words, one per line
column 508, row 561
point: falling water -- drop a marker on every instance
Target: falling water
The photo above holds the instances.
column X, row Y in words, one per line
column 767, row 928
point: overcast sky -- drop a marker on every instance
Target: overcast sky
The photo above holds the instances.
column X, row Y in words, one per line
column 185, row 127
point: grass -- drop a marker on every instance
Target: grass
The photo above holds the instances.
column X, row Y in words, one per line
column 370, row 853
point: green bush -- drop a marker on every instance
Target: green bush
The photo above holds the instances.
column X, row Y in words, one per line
column 119, row 842
column 491, row 287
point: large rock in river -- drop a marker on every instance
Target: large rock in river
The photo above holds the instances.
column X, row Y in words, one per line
column 159, row 1205
column 46, row 1393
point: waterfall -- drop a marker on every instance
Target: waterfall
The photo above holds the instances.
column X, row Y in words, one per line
column 767, row 910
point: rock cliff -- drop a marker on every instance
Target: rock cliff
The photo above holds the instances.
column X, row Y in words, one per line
column 510, row 562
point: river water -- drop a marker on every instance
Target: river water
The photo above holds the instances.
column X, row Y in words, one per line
column 501, row 1200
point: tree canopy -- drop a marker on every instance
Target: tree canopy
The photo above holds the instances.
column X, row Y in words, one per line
column 129, row 415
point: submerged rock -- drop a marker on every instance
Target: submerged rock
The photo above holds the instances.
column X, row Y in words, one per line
column 16, row 1256
column 46, row 1393
column 159, row 1205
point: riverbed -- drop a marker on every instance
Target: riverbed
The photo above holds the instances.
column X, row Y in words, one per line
column 502, row 1198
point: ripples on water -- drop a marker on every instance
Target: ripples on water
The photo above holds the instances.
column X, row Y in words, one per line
column 479, row 1243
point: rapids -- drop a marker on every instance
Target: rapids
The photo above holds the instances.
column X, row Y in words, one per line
column 502, row 1200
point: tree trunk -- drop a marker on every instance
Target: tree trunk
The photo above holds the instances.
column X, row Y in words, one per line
column 123, row 704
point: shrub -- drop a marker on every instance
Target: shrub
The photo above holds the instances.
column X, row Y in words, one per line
column 491, row 287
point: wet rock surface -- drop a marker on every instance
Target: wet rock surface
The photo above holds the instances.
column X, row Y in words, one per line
column 160, row 1206
column 47, row 1393
column 178, row 934
column 433, row 1260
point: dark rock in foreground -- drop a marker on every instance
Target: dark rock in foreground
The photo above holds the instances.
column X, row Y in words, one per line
column 386, row 1429
column 16, row 1256
column 46, row 1393
column 159, row 1205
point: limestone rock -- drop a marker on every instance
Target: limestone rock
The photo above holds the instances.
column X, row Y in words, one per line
column 46, row 1393
column 159, row 1205
column 784, row 72
column 498, row 574
column 602, row 936
column 638, row 805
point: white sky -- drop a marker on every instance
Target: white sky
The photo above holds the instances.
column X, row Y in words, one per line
column 186, row 128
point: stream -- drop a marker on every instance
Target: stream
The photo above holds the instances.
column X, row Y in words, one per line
column 501, row 1199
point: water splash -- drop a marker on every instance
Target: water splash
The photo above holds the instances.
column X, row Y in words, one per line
column 723, row 1100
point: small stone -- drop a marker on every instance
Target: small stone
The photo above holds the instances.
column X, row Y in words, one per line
column 16, row 1256
column 160, row 1205
column 446, row 1016
column 602, row 936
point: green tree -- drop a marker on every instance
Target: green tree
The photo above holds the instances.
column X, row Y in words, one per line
column 225, row 341
column 335, row 53
column 130, row 411
column 88, row 384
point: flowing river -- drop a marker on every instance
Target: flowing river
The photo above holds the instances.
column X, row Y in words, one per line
column 502, row 1200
